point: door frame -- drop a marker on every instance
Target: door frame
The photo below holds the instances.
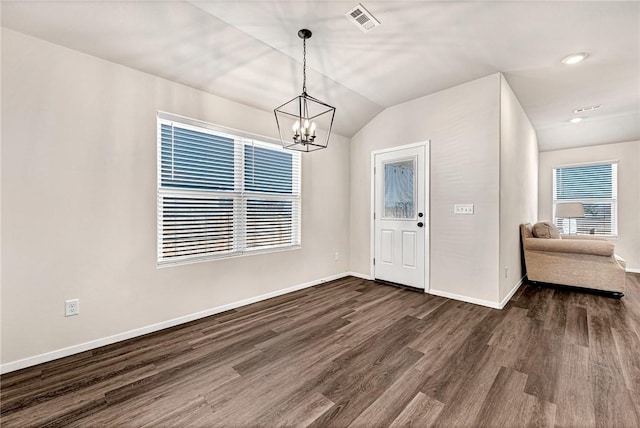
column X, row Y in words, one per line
column 427, row 201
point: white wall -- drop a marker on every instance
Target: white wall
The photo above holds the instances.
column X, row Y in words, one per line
column 518, row 185
column 79, row 203
column 628, row 157
column 463, row 125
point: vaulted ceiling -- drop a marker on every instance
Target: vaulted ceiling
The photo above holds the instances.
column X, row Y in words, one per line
column 249, row 51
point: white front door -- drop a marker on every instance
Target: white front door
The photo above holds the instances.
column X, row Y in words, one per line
column 400, row 216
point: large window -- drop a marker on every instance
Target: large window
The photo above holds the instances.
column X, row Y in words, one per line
column 596, row 186
column 222, row 195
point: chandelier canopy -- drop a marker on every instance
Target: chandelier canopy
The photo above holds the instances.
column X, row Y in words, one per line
column 304, row 122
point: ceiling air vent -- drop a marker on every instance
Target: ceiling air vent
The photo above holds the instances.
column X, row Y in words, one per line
column 362, row 18
column 584, row 109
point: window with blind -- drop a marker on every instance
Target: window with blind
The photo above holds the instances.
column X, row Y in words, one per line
column 223, row 195
column 596, row 186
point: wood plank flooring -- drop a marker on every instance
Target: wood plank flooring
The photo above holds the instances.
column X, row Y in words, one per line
column 357, row 353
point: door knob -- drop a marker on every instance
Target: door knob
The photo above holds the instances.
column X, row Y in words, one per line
column 420, row 224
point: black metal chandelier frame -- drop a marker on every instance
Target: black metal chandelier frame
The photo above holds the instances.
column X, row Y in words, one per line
column 304, row 136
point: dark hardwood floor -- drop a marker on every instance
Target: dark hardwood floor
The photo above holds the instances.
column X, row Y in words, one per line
column 356, row 353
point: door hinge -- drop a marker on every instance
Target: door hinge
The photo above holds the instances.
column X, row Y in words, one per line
column 374, row 261
column 374, row 216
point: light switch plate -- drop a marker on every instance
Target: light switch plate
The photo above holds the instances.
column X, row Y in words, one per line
column 464, row 209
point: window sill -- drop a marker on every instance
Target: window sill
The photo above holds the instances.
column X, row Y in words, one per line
column 165, row 264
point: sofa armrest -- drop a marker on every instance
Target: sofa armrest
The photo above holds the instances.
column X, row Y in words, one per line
column 574, row 246
column 585, row 237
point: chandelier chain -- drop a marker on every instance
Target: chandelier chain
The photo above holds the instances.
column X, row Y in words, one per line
column 304, row 66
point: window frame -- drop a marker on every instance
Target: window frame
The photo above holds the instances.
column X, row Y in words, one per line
column 239, row 195
column 613, row 201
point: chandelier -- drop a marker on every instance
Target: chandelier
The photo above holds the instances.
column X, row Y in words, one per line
column 304, row 122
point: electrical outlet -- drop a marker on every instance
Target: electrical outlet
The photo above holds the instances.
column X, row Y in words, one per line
column 337, row 256
column 71, row 307
column 465, row 209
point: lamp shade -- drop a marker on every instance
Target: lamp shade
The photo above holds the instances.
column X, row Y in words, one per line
column 569, row 210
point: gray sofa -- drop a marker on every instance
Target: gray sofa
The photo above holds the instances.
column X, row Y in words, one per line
column 579, row 261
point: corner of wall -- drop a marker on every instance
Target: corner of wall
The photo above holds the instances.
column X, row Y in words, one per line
column 518, row 185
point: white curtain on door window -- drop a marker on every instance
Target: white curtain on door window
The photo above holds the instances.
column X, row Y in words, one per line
column 398, row 190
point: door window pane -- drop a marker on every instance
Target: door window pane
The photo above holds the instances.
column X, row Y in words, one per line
column 399, row 187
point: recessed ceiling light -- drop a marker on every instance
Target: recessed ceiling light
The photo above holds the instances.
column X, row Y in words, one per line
column 576, row 120
column 574, row 58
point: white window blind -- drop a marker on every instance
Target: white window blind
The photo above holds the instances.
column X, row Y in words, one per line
column 596, row 186
column 222, row 195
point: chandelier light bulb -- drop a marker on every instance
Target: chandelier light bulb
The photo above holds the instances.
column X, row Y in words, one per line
column 296, row 126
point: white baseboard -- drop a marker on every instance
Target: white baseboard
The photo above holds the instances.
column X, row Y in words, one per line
column 361, row 275
column 460, row 297
column 494, row 305
column 93, row 344
column 631, row 270
column 482, row 302
column 504, row 301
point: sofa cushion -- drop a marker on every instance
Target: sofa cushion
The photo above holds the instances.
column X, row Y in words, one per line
column 546, row 229
column 526, row 231
column 593, row 248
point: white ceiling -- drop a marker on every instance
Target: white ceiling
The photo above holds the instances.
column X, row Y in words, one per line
column 249, row 51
